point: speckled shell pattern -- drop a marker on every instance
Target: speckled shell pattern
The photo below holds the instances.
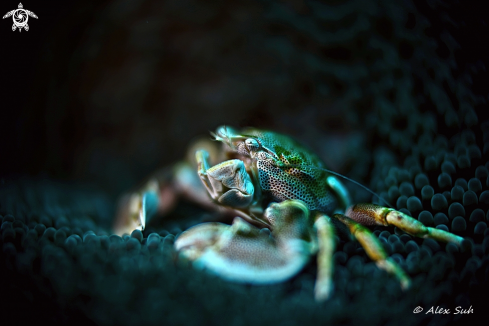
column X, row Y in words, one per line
column 296, row 173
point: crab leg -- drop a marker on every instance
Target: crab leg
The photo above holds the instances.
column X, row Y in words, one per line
column 158, row 196
column 373, row 248
column 371, row 214
column 162, row 191
column 326, row 243
column 340, row 190
column 136, row 208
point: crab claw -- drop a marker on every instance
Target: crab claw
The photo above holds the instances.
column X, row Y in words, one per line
column 241, row 253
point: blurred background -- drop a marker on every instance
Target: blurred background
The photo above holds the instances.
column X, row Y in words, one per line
column 109, row 91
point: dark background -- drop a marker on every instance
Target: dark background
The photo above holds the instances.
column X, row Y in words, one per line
column 107, row 91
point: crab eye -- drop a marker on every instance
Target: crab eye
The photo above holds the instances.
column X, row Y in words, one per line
column 252, row 144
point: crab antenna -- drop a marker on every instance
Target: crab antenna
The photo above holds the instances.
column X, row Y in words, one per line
column 215, row 137
column 225, row 139
column 344, row 177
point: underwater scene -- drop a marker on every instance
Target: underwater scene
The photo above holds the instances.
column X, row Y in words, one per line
column 131, row 127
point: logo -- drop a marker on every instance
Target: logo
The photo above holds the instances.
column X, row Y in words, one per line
column 20, row 17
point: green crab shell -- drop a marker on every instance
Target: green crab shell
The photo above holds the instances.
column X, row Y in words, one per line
column 295, row 172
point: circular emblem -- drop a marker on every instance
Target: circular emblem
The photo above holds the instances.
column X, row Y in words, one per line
column 20, row 18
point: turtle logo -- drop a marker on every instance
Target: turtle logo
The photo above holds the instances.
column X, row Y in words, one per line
column 20, row 17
